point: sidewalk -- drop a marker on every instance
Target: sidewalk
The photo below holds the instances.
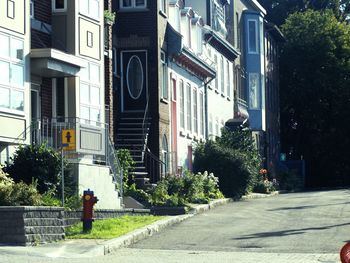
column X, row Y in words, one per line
column 96, row 247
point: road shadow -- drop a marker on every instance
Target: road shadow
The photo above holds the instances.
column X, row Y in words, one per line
column 287, row 232
column 305, row 207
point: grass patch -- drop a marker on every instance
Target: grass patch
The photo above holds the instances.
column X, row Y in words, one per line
column 110, row 228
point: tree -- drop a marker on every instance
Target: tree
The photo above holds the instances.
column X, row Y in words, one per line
column 315, row 95
column 279, row 10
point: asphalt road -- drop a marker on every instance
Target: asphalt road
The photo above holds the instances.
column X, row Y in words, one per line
column 312, row 222
column 290, row 228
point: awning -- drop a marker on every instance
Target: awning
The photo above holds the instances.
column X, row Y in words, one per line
column 52, row 63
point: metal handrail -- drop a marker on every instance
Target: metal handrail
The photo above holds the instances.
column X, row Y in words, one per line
column 153, row 163
column 144, row 129
column 115, row 167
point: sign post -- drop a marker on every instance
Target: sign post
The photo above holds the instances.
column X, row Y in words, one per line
column 67, row 144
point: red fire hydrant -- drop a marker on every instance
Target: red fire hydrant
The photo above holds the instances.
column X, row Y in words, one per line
column 89, row 200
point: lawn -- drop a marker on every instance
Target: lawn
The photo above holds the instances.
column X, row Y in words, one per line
column 110, row 228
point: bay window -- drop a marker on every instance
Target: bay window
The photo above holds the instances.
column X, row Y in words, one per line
column 12, row 73
column 90, row 100
column 90, row 8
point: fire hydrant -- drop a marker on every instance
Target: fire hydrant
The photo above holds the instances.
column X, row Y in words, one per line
column 89, row 200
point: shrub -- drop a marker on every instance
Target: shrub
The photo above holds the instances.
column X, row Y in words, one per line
column 127, row 164
column 264, row 187
column 235, row 174
column 289, row 181
column 190, row 188
column 36, row 162
column 14, row 194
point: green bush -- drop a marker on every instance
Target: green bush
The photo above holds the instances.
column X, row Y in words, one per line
column 264, row 187
column 234, row 158
column 235, row 175
column 15, row 194
column 289, row 181
column 190, row 188
column 36, row 162
column 127, row 164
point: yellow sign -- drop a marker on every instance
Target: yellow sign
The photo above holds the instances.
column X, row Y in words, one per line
column 68, row 139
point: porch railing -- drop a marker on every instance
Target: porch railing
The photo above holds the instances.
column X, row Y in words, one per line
column 98, row 150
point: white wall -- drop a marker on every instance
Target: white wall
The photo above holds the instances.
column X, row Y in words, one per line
column 97, row 179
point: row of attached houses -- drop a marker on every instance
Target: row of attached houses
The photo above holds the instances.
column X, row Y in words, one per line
column 167, row 75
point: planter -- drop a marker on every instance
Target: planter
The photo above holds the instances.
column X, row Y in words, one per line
column 170, row 211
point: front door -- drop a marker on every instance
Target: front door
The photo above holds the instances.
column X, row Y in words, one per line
column 134, row 80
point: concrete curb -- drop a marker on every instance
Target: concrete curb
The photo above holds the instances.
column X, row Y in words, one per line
column 257, row 195
column 137, row 235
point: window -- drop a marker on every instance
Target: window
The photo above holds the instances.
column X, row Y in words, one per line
column 59, row 5
column 90, row 8
column 222, row 75
column 10, row 9
column 216, row 67
column 238, row 33
column 90, row 39
column 12, row 73
column 210, row 124
column 252, row 37
column 133, row 3
column 162, row 6
column 134, row 77
column 253, row 90
column 228, row 81
column 195, row 111
column 31, row 9
column 189, row 110
column 90, row 100
column 163, row 76
column 201, row 113
column 182, row 105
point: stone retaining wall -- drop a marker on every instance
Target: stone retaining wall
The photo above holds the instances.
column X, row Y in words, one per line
column 29, row 225
column 25, row 225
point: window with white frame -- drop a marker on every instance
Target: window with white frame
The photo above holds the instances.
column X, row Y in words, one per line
column 211, row 124
column 31, row 9
column 162, row 5
column 252, row 36
column 253, row 90
column 216, row 67
column 163, row 76
column 59, row 5
column 188, row 108
column 90, row 8
column 133, row 3
column 228, row 80
column 90, row 101
column 12, row 67
column 182, row 104
column 222, row 75
column 201, row 113
column 195, row 111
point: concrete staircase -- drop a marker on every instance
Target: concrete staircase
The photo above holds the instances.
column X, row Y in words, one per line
column 132, row 134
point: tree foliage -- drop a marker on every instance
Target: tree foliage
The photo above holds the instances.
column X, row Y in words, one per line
column 315, row 94
column 279, row 10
